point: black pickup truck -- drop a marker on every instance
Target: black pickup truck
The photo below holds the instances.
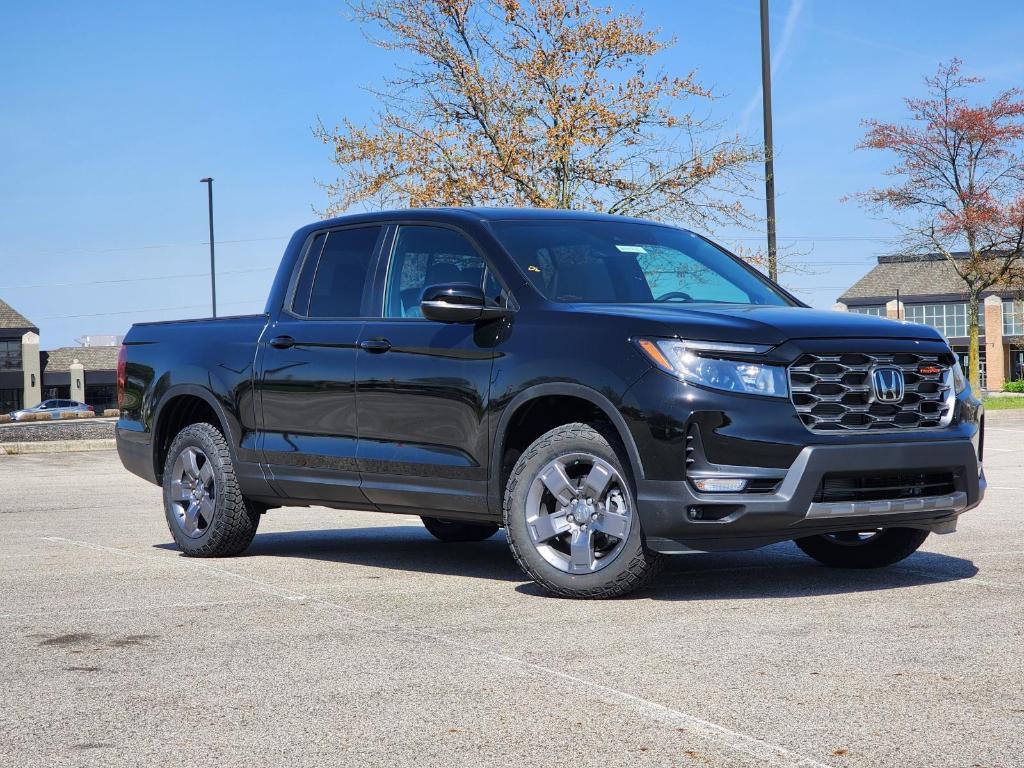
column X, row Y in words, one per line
column 608, row 390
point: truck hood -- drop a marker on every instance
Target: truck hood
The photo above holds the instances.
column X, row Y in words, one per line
column 758, row 324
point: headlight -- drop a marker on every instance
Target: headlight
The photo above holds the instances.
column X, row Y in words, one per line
column 957, row 373
column 701, row 362
column 959, row 382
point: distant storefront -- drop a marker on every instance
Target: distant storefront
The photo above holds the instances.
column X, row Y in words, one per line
column 28, row 376
column 100, row 365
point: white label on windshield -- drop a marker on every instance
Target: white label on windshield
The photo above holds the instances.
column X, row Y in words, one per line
column 631, row 248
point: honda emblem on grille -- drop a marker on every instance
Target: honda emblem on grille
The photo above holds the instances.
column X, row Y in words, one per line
column 887, row 384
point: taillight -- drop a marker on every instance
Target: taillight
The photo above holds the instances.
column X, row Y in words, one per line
column 122, row 359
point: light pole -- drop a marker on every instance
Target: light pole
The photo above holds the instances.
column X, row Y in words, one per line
column 208, row 181
column 769, row 163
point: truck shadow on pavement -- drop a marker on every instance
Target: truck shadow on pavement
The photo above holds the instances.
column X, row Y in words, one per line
column 778, row 571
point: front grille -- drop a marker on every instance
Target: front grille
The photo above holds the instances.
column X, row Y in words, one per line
column 832, row 393
column 884, row 486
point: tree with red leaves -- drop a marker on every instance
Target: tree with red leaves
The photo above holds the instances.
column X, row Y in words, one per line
column 960, row 188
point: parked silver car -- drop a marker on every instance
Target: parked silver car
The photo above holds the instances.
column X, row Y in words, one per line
column 53, row 407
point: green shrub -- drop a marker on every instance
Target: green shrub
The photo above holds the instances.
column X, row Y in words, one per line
column 1014, row 386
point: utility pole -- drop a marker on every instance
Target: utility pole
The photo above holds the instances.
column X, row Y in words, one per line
column 208, row 181
column 769, row 160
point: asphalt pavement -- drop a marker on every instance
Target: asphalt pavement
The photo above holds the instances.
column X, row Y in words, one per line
column 355, row 639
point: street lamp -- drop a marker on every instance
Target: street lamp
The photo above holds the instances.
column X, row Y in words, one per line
column 208, row 181
column 769, row 160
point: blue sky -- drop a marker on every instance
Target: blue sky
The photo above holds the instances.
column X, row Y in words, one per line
column 111, row 112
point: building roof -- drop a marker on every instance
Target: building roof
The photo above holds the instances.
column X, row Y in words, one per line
column 12, row 318
column 92, row 358
column 925, row 275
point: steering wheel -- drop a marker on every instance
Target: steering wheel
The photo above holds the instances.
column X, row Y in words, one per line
column 675, row 296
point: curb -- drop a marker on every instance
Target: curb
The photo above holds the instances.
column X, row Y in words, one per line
column 57, row 446
column 998, row 415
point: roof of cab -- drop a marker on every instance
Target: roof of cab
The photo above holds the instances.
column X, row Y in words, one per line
column 474, row 214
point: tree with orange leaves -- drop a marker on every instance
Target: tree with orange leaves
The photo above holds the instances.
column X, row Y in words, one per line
column 535, row 103
column 960, row 188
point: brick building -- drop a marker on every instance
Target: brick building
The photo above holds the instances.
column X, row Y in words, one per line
column 930, row 292
column 28, row 376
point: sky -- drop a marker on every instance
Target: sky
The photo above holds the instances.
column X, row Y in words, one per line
column 111, row 112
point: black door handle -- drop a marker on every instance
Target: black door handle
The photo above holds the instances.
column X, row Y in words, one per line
column 375, row 345
column 282, row 342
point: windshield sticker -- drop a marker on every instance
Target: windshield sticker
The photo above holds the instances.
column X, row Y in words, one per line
column 631, row 248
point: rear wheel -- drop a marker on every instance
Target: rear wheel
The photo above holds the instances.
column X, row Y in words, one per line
column 206, row 512
column 571, row 519
column 875, row 548
column 456, row 530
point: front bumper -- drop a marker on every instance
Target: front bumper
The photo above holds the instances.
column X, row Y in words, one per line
column 751, row 520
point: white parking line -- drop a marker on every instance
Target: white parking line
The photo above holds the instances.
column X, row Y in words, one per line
column 772, row 754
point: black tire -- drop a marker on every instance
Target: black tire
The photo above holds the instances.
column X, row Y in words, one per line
column 634, row 565
column 888, row 546
column 234, row 518
column 457, row 530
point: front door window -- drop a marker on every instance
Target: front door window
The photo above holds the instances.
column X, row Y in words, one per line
column 425, row 256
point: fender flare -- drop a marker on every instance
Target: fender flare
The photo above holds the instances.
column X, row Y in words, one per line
column 202, row 393
column 572, row 390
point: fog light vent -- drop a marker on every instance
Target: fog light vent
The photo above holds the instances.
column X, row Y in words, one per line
column 719, row 484
column 691, row 435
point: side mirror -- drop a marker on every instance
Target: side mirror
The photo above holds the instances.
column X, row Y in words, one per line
column 457, row 303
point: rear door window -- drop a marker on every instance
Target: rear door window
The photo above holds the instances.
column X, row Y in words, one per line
column 334, row 273
column 300, row 300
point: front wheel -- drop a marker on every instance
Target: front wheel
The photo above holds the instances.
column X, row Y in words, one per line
column 205, row 509
column 570, row 516
column 874, row 548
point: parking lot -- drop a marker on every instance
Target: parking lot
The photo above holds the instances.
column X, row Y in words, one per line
column 347, row 638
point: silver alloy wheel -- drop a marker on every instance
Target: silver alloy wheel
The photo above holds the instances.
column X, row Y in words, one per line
column 578, row 513
column 853, row 538
column 193, row 492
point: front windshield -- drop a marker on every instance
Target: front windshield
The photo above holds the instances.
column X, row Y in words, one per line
column 628, row 263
